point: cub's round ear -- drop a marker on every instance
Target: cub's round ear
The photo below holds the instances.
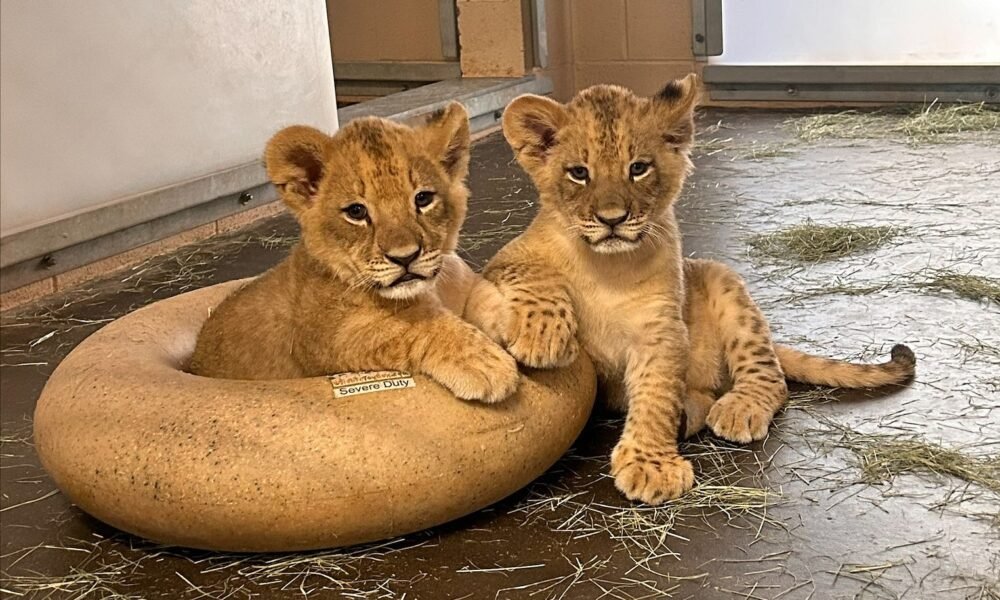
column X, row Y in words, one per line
column 296, row 160
column 447, row 135
column 674, row 111
column 531, row 124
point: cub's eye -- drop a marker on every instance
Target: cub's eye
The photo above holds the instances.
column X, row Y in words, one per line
column 579, row 174
column 356, row 212
column 423, row 198
column 638, row 169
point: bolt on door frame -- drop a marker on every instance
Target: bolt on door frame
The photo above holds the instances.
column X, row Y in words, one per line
column 706, row 27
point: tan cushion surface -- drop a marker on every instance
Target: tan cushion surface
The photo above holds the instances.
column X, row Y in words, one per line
column 281, row 465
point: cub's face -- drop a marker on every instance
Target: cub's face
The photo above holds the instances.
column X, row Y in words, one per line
column 379, row 203
column 609, row 163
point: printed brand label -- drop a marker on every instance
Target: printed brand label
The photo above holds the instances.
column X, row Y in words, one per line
column 354, row 384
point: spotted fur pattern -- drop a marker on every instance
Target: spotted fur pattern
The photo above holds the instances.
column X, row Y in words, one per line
column 603, row 258
column 374, row 283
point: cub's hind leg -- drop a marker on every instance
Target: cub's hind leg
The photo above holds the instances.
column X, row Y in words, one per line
column 758, row 390
column 705, row 367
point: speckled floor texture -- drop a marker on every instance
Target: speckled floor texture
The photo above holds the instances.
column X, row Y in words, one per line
column 838, row 502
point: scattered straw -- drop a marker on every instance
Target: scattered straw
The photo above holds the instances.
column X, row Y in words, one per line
column 927, row 281
column 812, row 243
column 738, row 150
column 711, row 146
column 974, row 347
column 112, row 567
column 963, row 285
column 586, row 573
column 11, row 441
column 810, row 397
column 933, row 124
column 275, row 240
column 882, row 457
column 708, row 144
column 730, row 486
column 986, row 591
column 76, row 585
column 344, row 570
column 756, row 151
column 99, row 575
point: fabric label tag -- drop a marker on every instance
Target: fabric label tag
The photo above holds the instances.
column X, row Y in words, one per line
column 355, row 384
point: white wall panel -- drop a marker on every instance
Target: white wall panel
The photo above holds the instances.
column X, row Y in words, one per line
column 104, row 99
column 860, row 32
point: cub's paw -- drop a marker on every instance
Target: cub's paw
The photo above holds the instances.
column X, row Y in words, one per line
column 650, row 477
column 739, row 419
column 480, row 371
column 542, row 338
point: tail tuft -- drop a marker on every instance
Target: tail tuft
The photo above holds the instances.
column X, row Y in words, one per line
column 903, row 356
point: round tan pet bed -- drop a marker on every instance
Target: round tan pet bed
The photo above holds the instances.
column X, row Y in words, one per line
column 282, row 465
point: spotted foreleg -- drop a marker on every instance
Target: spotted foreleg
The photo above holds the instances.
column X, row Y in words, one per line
column 646, row 463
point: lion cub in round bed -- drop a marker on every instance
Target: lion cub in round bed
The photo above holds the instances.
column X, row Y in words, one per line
column 602, row 263
column 374, row 284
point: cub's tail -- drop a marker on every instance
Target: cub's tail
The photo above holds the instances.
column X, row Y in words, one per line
column 807, row 368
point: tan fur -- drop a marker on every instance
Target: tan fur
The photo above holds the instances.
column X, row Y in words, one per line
column 667, row 334
column 336, row 303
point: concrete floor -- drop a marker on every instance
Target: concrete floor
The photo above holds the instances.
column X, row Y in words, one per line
column 791, row 518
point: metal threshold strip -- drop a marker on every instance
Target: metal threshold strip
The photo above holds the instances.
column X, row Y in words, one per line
column 79, row 239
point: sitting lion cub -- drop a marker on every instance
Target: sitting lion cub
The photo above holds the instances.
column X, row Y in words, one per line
column 374, row 284
column 600, row 268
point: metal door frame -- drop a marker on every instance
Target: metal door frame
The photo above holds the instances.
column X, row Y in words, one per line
column 411, row 71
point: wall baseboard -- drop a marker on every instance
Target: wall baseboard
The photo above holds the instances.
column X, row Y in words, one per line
column 72, row 277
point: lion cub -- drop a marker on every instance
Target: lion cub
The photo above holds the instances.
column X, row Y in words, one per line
column 602, row 264
column 369, row 286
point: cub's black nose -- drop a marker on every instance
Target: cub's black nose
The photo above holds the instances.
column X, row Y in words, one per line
column 403, row 261
column 612, row 221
